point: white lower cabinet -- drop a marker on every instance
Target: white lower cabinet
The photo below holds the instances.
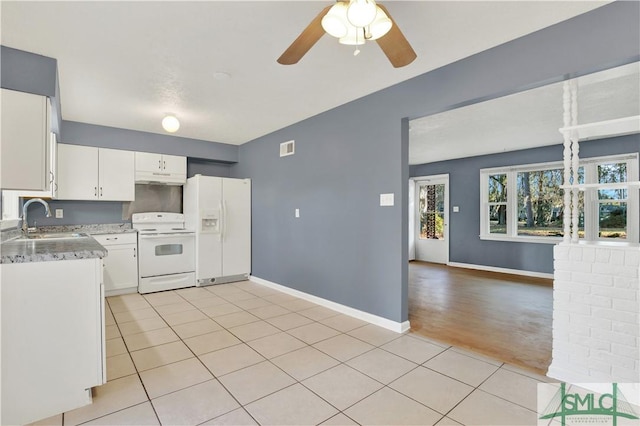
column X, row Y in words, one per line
column 121, row 263
column 53, row 337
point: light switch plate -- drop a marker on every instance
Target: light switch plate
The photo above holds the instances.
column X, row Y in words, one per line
column 59, row 213
column 456, row 209
column 297, row 212
column 386, row 200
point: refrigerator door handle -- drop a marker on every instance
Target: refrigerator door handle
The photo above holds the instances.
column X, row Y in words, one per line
column 224, row 219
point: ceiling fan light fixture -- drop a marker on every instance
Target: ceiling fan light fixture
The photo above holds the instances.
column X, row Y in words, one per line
column 354, row 37
column 335, row 21
column 353, row 30
column 361, row 13
column 380, row 26
column 170, row 123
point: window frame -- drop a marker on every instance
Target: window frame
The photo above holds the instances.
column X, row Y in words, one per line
column 591, row 200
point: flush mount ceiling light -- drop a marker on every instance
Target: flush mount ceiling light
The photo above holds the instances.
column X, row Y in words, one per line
column 170, row 123
column 221, row 75
column 353, row 22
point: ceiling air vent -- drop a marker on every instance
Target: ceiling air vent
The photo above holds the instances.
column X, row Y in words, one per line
column 287, row 148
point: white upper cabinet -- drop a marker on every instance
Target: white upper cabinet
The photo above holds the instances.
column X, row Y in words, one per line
column 175, row 164
column 24, row 141
column 89, row 173
column 116, row 175
column 77, row 172
column 52, row 192
column 162, row 168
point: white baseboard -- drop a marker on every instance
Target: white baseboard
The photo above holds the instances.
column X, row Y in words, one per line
column 120, row 292
column 398, row 327
column 501, row 270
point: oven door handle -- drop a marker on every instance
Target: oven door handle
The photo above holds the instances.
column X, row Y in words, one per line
column 157, row 236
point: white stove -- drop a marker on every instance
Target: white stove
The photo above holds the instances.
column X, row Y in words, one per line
column 166, row 257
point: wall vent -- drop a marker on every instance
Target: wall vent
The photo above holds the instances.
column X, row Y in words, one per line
column 287, row 148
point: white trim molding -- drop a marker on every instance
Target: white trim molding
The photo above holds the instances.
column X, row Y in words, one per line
column 9, row 224
column 501, row 270
column 398, row 327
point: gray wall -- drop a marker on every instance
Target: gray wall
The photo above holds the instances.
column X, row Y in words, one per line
column 345, row 247
column 197, row 166
column 75, row 133
column 27, row 72
column 464, row 191
column 77, row 213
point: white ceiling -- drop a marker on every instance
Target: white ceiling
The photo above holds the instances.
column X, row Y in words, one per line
column 523, row 120
column 126, row 64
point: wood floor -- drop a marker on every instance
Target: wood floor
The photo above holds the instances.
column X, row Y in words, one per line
column 506, row 317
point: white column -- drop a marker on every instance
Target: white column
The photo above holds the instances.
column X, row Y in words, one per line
column 566, row 155
column 575, row 158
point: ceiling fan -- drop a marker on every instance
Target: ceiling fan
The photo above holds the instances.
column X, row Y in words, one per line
column 353, row 22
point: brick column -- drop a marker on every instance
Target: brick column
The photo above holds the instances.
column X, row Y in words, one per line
column 596, row 313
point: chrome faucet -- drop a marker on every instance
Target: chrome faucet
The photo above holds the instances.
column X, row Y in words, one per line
column 25, row 224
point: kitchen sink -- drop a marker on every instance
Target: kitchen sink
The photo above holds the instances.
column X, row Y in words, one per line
column 52, row 236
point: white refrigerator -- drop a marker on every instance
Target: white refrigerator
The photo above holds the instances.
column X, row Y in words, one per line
column 219, row 210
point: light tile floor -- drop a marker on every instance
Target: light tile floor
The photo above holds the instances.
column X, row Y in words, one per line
column 244, row 354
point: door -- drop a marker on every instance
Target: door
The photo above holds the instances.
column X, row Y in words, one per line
column 174, row 164
column 77, row 172
column 207, row 191
column 116, row 175
column 25, row 132
column 432, row 219
column 236, row 226
column 148, row 162
column 121, row 267
column 164, row 254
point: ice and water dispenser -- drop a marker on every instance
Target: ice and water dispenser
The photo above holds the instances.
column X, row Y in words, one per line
column 210, row 222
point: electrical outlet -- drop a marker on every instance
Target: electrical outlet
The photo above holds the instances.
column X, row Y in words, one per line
column 59, row 213
column 386, row 199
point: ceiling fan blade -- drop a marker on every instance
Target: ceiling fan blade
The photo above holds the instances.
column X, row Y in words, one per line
column 395, row 45
column 305, row 41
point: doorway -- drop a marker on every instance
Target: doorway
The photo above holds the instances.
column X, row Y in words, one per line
column 430, row 229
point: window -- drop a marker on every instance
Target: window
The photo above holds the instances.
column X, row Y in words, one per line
column 541, row 203
column 526, row 203
column 431, row 199
column 497, row 205
column 612, row 203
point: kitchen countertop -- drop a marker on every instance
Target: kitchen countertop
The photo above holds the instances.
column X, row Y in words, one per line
column 108, row 228
column 44, row 250
column 21, row 251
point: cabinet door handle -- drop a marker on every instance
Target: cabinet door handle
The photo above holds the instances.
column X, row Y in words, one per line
column 114, row 238
column 134, row 252
column 101, row 191
column 95, row 191
column 160, row 164
column 164, row 165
